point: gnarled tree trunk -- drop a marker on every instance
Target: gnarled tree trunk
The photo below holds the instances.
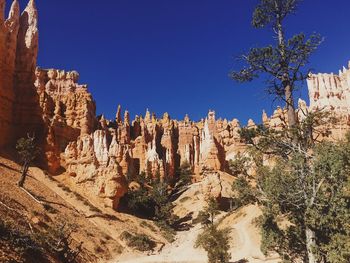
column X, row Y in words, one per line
column 23, row 175
column 310, row 244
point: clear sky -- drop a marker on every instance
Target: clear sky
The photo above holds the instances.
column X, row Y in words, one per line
column 175, row 55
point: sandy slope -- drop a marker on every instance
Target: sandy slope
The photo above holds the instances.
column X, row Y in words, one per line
column 99, row 227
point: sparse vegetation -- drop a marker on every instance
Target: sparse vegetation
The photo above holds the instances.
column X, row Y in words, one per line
column 213, row 240
column 216, row 242
column 152, row 200
column 184, row 175
column 239, row 165
column 56, row 241
column 140, row 242
column 167, row 231
column 28, row 151
column 244, row 193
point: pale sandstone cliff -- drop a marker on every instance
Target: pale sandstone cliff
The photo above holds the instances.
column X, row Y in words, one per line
column 331, row 93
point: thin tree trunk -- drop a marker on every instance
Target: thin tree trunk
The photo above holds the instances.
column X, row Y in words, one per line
column 292, row 121
column 288, row 89
column 23, row 175
column 310, row 244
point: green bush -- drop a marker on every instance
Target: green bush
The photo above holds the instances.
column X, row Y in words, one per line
column 245, row 194
column 216, row 242
column 184, row 174
column 140, row 242
column 184, row 199
column 239, row 166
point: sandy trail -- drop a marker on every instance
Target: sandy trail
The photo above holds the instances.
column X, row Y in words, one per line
column 246, row 238
column 180, row 251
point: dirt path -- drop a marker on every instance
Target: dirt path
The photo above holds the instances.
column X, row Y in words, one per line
column 245, row 243
column 180, row 251
column 246, row 238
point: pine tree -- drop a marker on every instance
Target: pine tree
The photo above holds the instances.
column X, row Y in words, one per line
column 282, row 63
column 28, row 151
column 213, row 239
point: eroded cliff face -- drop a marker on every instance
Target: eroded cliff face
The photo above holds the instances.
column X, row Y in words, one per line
column 68, row 111
column 331, row 93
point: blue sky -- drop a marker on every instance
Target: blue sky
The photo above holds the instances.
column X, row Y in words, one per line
column 175, row 55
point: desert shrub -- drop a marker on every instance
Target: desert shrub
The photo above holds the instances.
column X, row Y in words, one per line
column 148, row 225
column 184, row 199
column 140, row 242
column 202, row 218
column 152, row 200
column 24, row 244
column 239, row 166
column 167, row 231
column 184, row 175
column 66, row 189
column 213, row 240
column 216, row 242
column 245, row 194
column 50, row 208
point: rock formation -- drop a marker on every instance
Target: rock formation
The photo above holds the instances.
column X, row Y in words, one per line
column 102, row 154
column 48, row 103
column 68, row 111
column 19, row 111
column 331, row 93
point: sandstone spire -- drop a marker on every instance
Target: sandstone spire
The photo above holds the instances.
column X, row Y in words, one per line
column 118, row 116
column 265, row 118
column 187, row 119
column 29, row 20
column 28, row 39
column 147, row 116
column 126, row 118
column 13, row 14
